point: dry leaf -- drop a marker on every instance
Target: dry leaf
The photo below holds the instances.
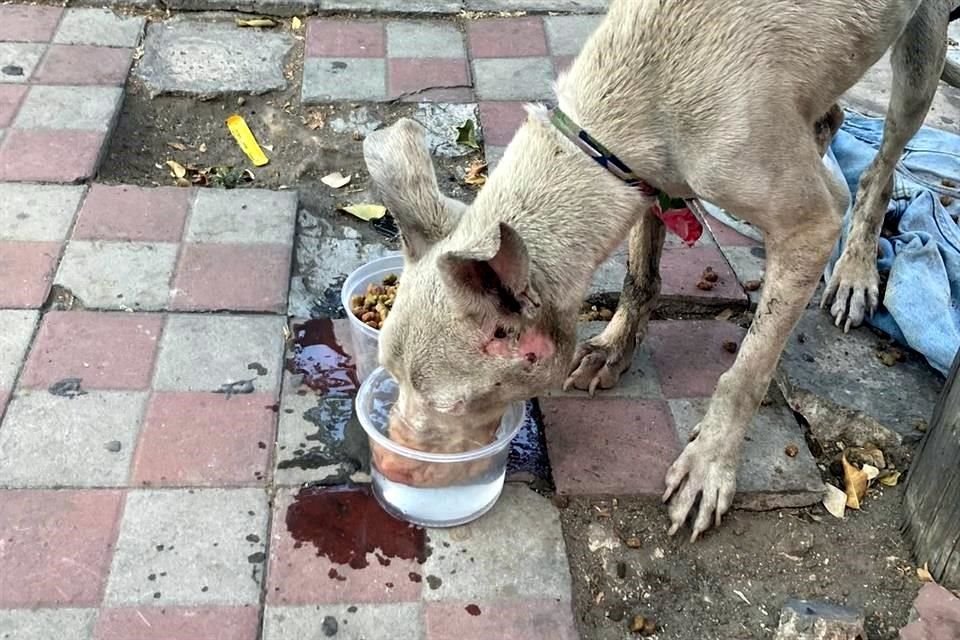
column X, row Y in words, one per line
column 871, row 472
column 476, row 174
column 296, row 23
column 366, row 212
column 177, row 170
column 256, row 22
column 923, row 573
column 889, row 479
column 835, row 501
column 335, row 180
column 467, row 135
column 179, row 146
column 855, row 482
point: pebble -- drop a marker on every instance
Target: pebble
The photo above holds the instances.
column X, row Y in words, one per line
column 329, row 626
column 621, row 570
column 643, row 625
column 114, row 446
column 633, row 542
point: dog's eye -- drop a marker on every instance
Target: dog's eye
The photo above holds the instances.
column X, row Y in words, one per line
column 500, row 333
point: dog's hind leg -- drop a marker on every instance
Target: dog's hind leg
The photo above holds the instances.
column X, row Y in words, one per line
column 917, row 60
column 601, row 361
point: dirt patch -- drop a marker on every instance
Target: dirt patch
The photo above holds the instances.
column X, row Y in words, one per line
column 732, row 583
column 302, row 142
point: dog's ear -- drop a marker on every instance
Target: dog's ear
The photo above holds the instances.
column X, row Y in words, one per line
column 400, row 166
column 495, row 270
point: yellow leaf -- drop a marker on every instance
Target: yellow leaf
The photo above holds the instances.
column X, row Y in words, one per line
column 475, row 174
column 366, row 211
column 244, row 137
column 335, row 180
column 855, row 483
column 177, row 170
column 835, row 501
column 889, row 479
column 923, row 573
column 296, row 23
column 255, row 22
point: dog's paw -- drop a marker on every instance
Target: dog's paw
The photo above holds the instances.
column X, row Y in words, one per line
column 854, row 289
column 707, row 468
column 599, row 363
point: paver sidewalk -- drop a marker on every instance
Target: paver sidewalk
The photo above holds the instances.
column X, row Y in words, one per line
column 154, row 436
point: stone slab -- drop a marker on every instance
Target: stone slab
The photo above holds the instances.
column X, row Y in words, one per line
column 100, row 27
column 404, row 620
column 42, row 624
column 204, row 352
column 196, row 544
column 513, row 78
column 523, row 524
column 442, row 121
column 205, row 60
column 18, row 327
column 567, row 34
column 79, row 108
column 255, row 216
column 527, row 618
column 35, row 212
column 935, row 615
column 51, row 441
column 639, row 381
column 539, row 6
column 811, row 620
column 411, row 39
column 119, row 275
column 837, row 382
column 344, row 79
column 176, row 623
column 767, row 478
column 18, row 60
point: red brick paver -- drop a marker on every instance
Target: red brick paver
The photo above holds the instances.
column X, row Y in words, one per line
column 690, row 355
column 49, row 155
column 84, row 64
column 56, row 546
column 26, row 270
column 178, row 623
column 507, row 38
column 11, row 95
column 609, row 445
column 105, row 350
column 500, row 121
column 347, row 39
column 218, row 276
column 133, row 213
column 205, row 439
column 20, row 23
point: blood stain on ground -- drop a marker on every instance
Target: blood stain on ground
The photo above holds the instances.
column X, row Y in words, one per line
column 318, row 356
column 473, row 609
column 346, row 523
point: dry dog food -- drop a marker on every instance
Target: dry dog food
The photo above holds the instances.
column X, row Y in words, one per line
column 373, row 306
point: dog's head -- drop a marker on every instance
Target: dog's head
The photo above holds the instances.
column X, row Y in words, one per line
column 468, row 333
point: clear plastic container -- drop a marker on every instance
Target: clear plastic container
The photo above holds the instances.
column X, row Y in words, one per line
column 479, row 474
column 365, row 338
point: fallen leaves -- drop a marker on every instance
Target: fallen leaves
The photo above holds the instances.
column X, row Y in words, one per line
column 889, row 478
column 923, row 573
column 855, row 483
column 259, row 23
column 467, row 135
column 476, row 175
column 315, row 120
column 335, row 180
column 365, row 212
column 835, row 501
column 296, row 23
column 218, row 176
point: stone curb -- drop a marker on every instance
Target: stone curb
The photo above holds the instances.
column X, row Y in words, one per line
column 286, row 8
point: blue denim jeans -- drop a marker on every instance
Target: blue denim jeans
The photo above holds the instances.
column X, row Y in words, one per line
column 919, row 254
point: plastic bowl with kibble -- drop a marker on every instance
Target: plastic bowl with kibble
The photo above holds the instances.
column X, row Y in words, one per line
column 365, row 336
column 431, row 489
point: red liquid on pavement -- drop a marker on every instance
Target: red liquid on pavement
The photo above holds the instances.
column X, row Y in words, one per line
column 317, row 355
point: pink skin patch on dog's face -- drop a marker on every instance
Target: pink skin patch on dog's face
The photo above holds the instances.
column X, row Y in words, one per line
column 532, row 346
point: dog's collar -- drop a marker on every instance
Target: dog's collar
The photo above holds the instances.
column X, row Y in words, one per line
column 675, row 212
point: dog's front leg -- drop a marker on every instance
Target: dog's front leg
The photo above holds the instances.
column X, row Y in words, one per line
column 796, row 254
column 601, row 360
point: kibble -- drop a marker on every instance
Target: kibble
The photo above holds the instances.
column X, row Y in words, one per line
column 374, row 305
